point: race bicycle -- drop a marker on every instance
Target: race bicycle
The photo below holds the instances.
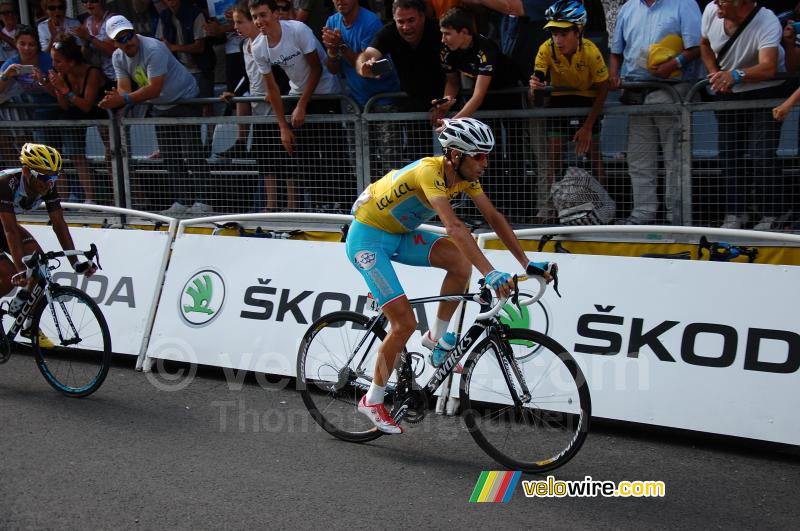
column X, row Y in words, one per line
column 523, row 397
column 73, row 345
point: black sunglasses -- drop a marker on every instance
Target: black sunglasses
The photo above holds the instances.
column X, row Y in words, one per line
column 125, row 37
column 283, row 7
column 57, row 8
column 7, row 12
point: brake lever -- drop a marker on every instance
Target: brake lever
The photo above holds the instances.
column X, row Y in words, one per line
column 554, row 274
column 515, row 293
column 95, row 255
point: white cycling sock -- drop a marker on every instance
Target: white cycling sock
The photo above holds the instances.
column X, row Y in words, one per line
column 375, row 394
column 438, row 329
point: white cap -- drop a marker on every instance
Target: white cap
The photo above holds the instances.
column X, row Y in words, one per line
column 116, row 24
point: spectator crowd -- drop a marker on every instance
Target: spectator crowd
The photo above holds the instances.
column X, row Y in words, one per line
column 451, row 59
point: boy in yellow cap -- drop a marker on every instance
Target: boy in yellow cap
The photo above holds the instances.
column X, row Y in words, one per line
column 579, row 78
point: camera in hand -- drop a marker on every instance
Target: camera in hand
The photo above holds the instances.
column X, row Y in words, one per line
column 381, row 67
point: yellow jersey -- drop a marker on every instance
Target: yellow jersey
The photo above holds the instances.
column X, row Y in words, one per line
column 399, row 201
column 585, row 68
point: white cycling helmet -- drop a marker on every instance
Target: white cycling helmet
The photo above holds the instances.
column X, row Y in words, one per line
column 468, row 135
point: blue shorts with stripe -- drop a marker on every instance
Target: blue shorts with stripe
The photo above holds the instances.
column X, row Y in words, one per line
column 372, row 251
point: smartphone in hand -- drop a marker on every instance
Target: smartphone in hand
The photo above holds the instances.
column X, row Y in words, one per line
column 383, row 66
column 26, row 69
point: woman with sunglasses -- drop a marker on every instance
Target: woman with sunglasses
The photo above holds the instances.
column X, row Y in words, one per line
column 22, row 189
column 8, row 35
column 56, row 22
column 385, row 230
column 79, row 87
column 97, row 47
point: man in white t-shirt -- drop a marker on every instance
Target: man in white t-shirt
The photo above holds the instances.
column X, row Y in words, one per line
column 745, row 72
column 55, row 23
column 291, row 45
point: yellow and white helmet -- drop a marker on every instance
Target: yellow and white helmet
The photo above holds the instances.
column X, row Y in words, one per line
column 40, row 158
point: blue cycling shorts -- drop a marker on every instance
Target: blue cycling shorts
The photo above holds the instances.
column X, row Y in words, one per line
column 371, row 251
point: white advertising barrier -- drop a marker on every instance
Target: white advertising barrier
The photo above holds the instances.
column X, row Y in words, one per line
column 245, row 303
column 126, row 287
column 706, row 346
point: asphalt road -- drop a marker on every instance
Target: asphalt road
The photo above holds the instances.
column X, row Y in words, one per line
column 218, row 453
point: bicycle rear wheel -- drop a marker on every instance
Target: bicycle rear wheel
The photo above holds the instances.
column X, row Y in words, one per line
column 335, row 366
column 73, row 345
column 540, row 433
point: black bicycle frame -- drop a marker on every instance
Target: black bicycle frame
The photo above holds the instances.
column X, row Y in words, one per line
column 33, row 299
column 468, row 340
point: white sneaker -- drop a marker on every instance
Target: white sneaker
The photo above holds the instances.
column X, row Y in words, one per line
column 766, row 223
column 733, row 221
column 199, row 208
column 379, row 416
column 176, row 209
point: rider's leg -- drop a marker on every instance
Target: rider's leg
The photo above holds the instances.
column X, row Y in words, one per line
column 7, row 270
column 370, row 251
column 445, row 255
column 402, row 324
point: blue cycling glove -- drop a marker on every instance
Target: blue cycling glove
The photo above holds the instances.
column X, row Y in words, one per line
column 496, row 278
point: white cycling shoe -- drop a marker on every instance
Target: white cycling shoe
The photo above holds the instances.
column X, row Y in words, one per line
column 379, row 416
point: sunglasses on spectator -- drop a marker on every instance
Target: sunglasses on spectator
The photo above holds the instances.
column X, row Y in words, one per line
column 124, row 38
column 7, row 12
column 479, row 157
column 44, row 177
column 283, row 7
column 61, row 7
column 91, row 1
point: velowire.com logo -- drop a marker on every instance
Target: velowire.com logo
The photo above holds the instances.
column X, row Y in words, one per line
column 202, row 298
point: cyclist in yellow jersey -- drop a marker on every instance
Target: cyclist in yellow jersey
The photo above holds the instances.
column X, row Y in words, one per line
column 387, row 215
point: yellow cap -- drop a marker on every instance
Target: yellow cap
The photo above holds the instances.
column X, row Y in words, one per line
column 664, row 50
column 560, row 24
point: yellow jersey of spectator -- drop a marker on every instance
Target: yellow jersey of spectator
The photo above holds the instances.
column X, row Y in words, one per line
column 581, row 72
column 399, row 201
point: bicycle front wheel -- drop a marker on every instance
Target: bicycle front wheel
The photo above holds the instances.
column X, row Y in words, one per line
column 73, row 344
column 533, row 433
column 335, row 365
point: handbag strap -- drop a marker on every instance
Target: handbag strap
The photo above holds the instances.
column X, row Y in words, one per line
column 739, row 30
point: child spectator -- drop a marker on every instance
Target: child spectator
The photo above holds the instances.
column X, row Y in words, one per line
column 577, row 71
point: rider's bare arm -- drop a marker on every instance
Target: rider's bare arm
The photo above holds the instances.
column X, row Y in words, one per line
column 501, row 226
column 460, row 234
column 62, row 233
column 11, row 230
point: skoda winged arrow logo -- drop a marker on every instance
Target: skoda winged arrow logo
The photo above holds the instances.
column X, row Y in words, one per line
column 202, row 298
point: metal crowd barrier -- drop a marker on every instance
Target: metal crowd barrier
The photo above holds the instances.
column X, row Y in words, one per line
column 682, row 160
